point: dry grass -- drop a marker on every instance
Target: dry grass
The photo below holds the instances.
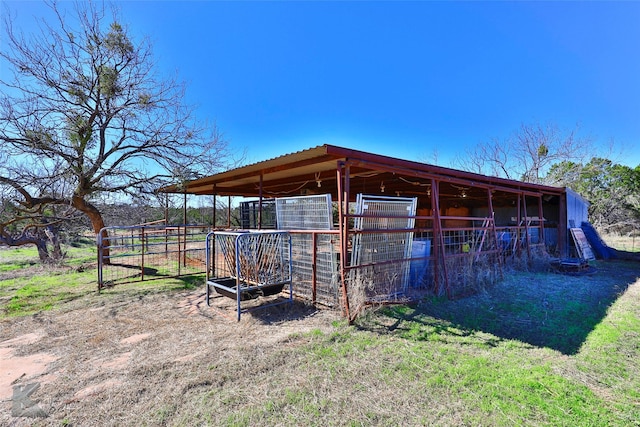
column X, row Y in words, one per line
column 527, row 351
column 622, row 243
column 135, row 361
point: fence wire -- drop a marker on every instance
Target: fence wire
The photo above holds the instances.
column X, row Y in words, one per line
column 314, row 257
column 148, row 252
column 380, row 262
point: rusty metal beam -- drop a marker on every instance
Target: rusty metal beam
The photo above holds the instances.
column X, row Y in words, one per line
column 342, row 174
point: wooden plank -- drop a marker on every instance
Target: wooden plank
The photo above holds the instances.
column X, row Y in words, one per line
column 582, row 244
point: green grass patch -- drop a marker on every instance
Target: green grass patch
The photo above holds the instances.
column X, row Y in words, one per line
column 19, row 257
column 28, row 287
column 497, row 381
column 15, row 265
column 44, row 291
column 18, row 254
column 357, row 377
column 545, row 310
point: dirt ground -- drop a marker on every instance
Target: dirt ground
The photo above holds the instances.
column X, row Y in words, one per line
column 75, row 367
column 148, row 358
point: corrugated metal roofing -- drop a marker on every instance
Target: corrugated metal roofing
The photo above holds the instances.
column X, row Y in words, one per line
column 288, row 173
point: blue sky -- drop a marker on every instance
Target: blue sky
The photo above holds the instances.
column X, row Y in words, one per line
column 406, row 79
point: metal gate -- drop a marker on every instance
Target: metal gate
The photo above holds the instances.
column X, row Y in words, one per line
column 380, row 260
column 148, row 252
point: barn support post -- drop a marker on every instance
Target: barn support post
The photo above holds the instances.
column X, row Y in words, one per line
column 142, row 236
column 166, row 225
column 436, row 237
column 166, row 209
column 518, row 246
column 526, row 227
column 228, row 212
column 439, row 247
column 343, row 209
column 260, row 203
column 179, row 250
column 541, row 221
column 492, row 213
column 184, row 252
column 215, row 208
column 184, row 209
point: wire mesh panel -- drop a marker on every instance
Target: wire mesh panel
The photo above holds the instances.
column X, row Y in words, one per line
column 326, row 270
column 247, row 265
column 254, row 213
column 312, row 213
column 380, row 260
column 262, row 259
column 221, row 257
column 304, row 212
column 471, row 256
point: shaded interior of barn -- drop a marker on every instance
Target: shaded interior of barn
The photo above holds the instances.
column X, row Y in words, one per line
column 372, row 229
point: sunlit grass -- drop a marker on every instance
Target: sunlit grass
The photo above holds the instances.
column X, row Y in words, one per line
column 45, row 288
column 622, row 242
column 27, row 286
column 402, row 366
column 357, row 377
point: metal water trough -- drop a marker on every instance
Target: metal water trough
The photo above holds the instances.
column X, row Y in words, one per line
column 247, row 265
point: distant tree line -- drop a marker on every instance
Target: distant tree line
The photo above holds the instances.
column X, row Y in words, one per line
column 613, row 191
column 129, row 214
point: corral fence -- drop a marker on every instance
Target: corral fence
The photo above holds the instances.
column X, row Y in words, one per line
column 386, row 253
column 150, row 251
column 129, row 254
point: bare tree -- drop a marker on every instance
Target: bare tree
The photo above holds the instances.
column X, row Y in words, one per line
column 82, row 105
column 23, row 222
column 528, row 153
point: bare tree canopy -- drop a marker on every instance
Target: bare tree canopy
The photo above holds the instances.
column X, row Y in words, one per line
column 83, row 114
column 528, row 153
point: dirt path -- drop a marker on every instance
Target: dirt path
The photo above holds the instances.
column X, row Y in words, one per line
column 15, row 368
column 82, row 363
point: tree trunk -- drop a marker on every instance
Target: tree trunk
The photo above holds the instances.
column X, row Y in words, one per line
column 97, row 223
column 52, row 234
column 39, row 243
column 43, row 252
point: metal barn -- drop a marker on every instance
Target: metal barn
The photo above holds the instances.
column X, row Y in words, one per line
column 372, row 229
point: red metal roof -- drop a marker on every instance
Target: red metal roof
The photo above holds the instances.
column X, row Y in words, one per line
column 301, row 171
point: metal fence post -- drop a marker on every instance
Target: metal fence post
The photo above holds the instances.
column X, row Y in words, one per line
column 100, row 262
column 142, row 254
column 179, row 250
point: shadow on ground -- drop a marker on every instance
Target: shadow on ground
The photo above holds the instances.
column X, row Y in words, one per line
column 267, row 310
column 542, row 309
